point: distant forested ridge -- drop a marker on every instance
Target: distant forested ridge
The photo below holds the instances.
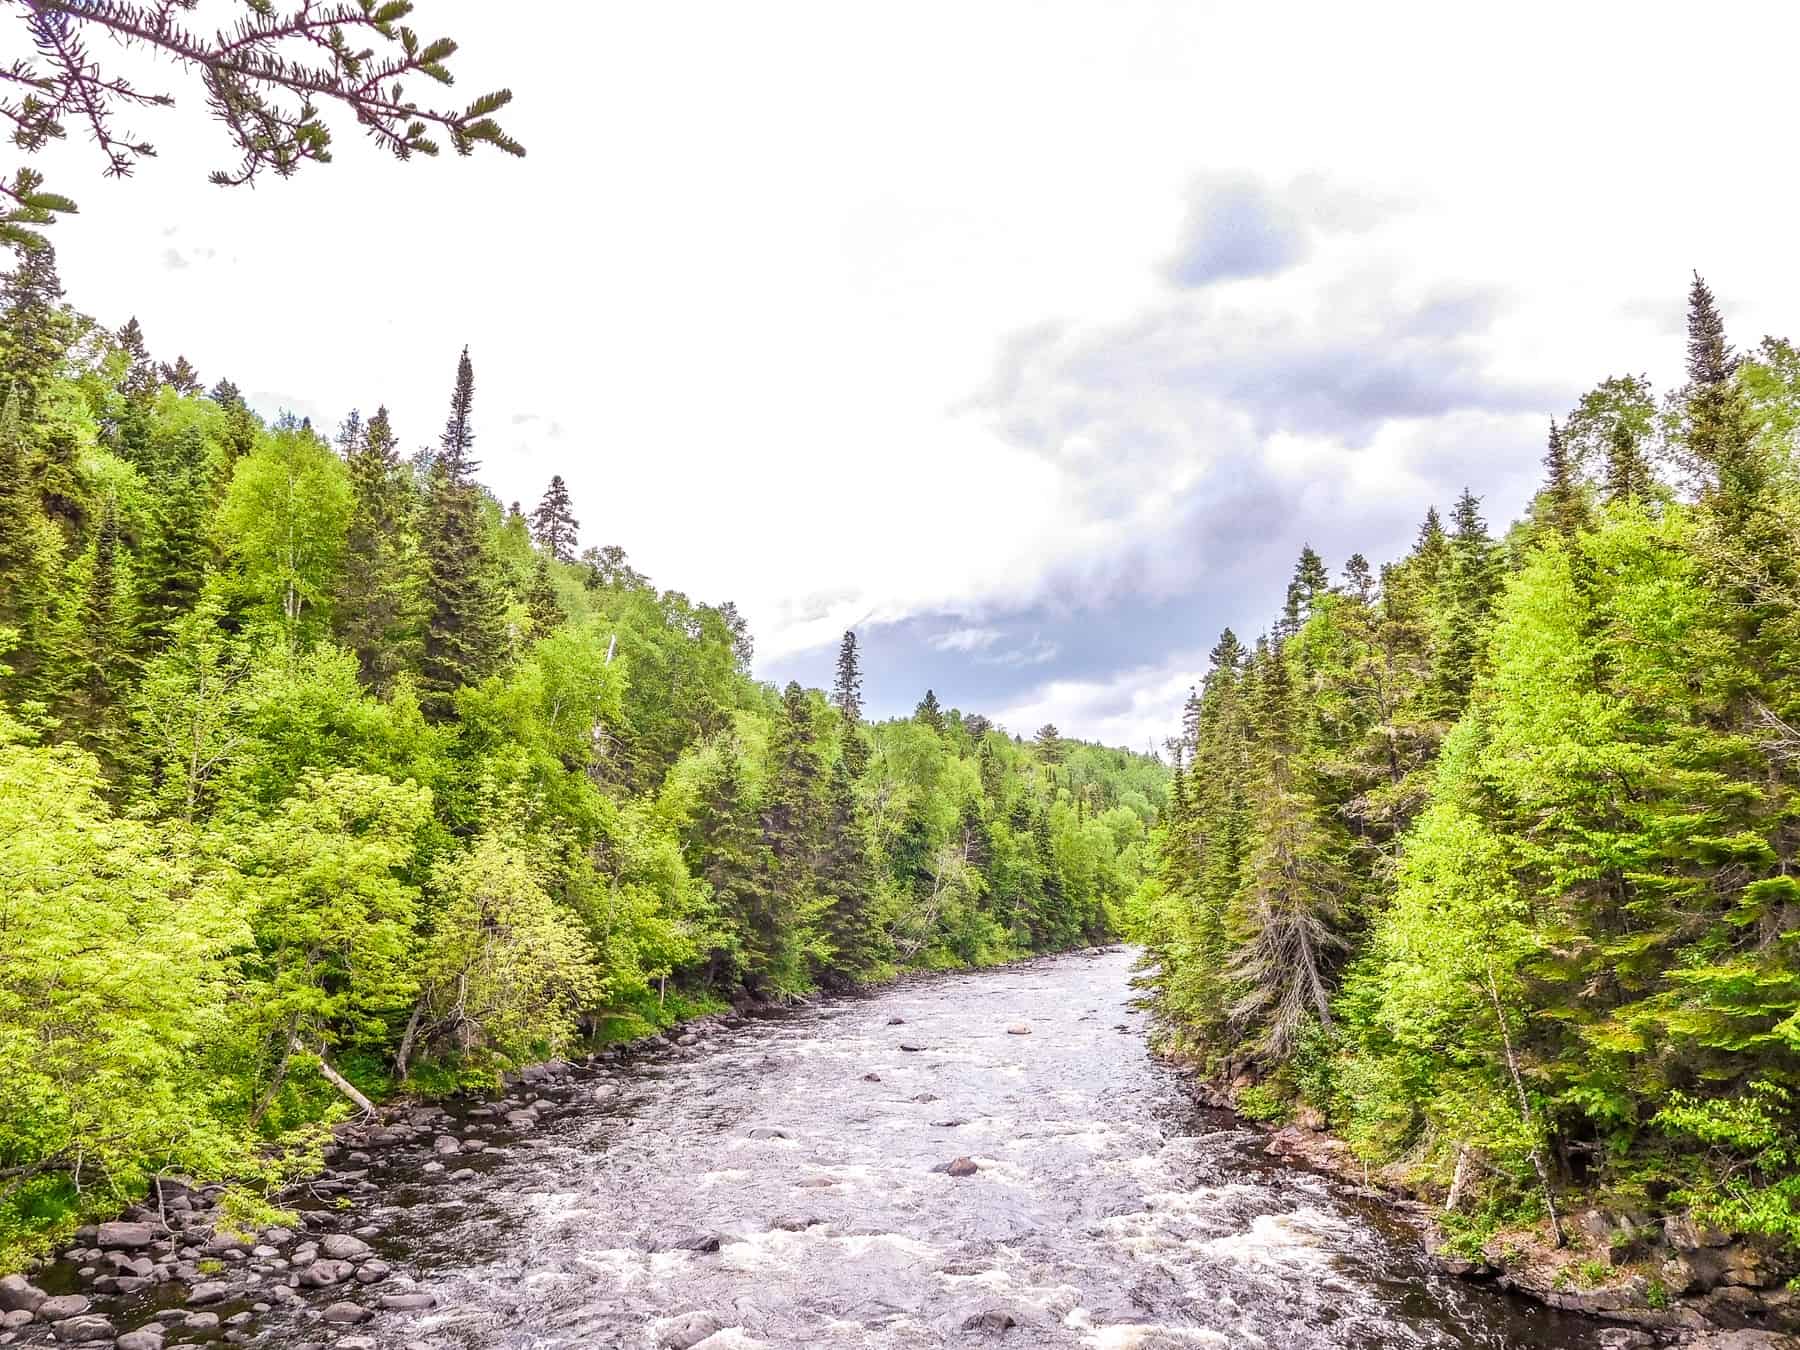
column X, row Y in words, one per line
column 1489, row 857
column 315, row 759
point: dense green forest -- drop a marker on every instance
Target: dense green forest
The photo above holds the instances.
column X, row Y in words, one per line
column 1488, row 859
column 315, row 759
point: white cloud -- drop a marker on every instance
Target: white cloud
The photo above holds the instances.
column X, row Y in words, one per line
column 965, row 639
column 753, row 280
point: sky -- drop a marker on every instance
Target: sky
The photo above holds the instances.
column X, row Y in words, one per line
column 1031, row 340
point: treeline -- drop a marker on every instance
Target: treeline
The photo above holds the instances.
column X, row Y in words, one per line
column 1489, row 859
column 314, row 759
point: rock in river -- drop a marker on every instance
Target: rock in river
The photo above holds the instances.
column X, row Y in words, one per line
column 130, row 1235
column 687, row 1330
column 16, row 1293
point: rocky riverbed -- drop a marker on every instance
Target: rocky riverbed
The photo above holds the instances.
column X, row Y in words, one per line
column 982, row 1158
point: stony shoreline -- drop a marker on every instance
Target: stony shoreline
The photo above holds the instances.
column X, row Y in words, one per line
column 1720, row 1291
column 169, row 1271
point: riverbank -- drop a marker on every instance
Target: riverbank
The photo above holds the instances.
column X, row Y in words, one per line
column 890, row 1171
column 184, row 1264
column 1663, row 1280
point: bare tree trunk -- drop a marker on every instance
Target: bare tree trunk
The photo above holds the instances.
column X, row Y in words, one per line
column 1537, row 1152
column 1460, row 1182
column 338, row 1081
column 404, row 1053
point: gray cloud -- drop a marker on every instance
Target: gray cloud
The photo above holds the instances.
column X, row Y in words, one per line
column 1365, row 362
column 1236, row 228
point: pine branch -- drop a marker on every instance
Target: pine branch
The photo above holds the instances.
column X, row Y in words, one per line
column 265, row 77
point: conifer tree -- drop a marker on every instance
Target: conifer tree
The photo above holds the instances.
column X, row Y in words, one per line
column 545, row 609
column 1280, row 930
column 846, row 687
column 1431, row 549
column 929, row 713
column 1359, row 578
column 1469, row 585
column 849, row 925
column 791, row 834
column 846, row 697
column 92, row 658
column 1308, row 585
column 465, row 630
column 1561, row 489
column 375, row 605
column 30, row 553
column 181, row 377
column 35, row 332
column 177, row 551
column 242, row 425
column 1049, row 743
column 553, row 524
column 1718, row 431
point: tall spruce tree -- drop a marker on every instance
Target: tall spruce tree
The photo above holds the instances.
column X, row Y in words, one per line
column 928, row 713
column 553, row 523
column 1562, row 489
column 846, row 697
column 465, row 629
column 376, row 606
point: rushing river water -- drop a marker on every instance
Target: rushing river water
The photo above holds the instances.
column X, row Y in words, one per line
column 1108, row 1209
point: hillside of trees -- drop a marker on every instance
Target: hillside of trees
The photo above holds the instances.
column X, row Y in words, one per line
column 315, row 760
column 1488, row 858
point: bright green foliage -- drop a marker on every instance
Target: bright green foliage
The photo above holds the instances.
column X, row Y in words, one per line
column 283, row 520
column 117, row 973
column 331, row 766
column 1567, row 946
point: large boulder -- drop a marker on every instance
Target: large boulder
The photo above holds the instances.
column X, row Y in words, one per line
column 212, row 1291
column 343, row 1247
column 687, row 1330
column 19, row 1294
column 347, row 1314
column 126, row 1235
column 81, row 1330
column 63, row 1306
column 322, row 1274
column 141, row 1340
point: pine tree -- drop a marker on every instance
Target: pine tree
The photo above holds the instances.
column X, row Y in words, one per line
column 850, row 924
column 465, row 630
column 92, row 658
column 846, row 688
column 181, row 377
column 1304, row 591
column 1279, row 928
column 791, row 834
column 553, row 524
column 177, row 551
column 546, row 610
column 1359, row 578
column 846, row 697
column 375, row 609
column 1562, row 491
column 456, row 447
column 30, row 553
column 1049, row 744
column 242, row 425
column 35, row 331
column 1719, row 434
column 1470, row 584
column 1431, row 550
column 929, row 713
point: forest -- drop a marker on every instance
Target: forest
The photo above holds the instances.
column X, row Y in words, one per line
column 1485, row 860
column 322, row 771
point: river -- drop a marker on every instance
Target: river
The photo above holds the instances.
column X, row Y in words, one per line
column 1108, row 1209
